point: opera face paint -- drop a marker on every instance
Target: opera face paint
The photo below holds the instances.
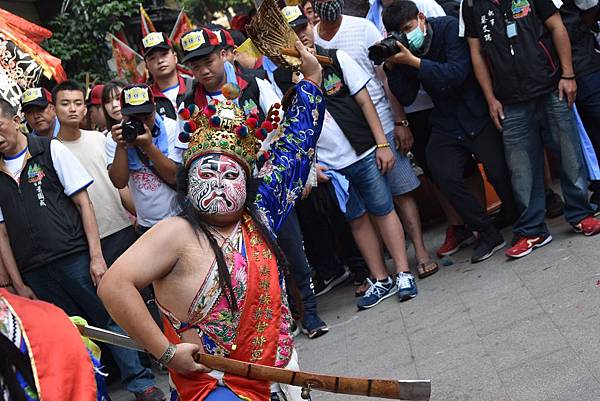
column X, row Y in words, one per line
column 217, row 185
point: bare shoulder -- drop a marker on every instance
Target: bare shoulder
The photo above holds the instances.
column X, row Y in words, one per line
column 175, row 231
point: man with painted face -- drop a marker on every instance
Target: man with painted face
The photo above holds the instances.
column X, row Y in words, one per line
column 206, row 57
column 141, row 153
column 39, row 112
column 216, row 269
column 439, row 60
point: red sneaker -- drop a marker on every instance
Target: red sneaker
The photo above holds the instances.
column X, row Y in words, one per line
column 525, row 245
column 588, row 226
column 457, row 237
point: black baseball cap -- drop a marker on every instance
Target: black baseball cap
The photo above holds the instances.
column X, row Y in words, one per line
column 137, row 99
column 294, row 16
column 35, row 97
column 225, row 39
column 155, row 40
column 237, row 36
column 198, row 43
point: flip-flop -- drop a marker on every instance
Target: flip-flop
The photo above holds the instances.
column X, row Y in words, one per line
column 361, row 289
column 426, row 269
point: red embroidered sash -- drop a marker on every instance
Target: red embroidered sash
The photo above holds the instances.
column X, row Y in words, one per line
column 258, row 332
column 55, row 347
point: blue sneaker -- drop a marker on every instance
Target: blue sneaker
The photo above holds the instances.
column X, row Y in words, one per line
column 376, row 293
column 407, row 288
column 313, row 326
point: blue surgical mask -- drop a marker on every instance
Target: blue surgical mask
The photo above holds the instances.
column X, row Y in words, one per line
column 416, row 37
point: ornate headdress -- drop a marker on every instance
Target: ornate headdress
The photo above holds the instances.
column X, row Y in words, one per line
column 221, row 127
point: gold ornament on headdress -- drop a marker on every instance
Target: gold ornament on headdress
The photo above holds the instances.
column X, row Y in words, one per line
column 222, row 128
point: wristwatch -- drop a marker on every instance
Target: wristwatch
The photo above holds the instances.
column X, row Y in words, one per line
column 402, row 123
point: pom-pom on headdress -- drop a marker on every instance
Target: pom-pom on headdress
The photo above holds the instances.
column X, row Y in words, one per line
column 221, row 127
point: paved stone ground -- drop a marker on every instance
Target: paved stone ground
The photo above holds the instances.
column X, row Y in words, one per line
column 524, row 330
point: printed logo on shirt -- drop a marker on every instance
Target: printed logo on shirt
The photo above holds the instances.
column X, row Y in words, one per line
column 35, row 173
column 332, row 84
column 520, row 8
column 250, row 107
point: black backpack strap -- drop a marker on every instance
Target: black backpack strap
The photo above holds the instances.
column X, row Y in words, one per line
column 13, row 358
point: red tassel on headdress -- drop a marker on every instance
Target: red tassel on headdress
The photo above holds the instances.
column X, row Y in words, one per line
column 261, row 134
column 251, row 122
column 185, row 114
column 267, row 125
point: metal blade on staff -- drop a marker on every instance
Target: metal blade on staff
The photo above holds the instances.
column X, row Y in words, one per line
column 381, row 388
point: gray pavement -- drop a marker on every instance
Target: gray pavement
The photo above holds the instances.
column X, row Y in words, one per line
column 524, row 330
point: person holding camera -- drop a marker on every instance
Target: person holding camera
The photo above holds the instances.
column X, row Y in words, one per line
column 354, row 36
column 142, row 153
column 354, row 144
column 427, row 52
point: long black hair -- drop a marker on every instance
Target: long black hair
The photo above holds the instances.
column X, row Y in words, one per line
column 12, row 361
column 190, row 213
column 111, row 90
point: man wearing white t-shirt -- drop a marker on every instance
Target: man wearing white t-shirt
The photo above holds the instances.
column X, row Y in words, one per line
column 141, row 153
column 354, row 36
column 353, row 143
column 116, row 231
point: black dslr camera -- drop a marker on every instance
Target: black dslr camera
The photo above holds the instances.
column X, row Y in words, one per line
column 131, row 129
column 387, row 47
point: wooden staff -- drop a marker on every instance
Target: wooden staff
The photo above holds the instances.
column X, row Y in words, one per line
column 381, row 388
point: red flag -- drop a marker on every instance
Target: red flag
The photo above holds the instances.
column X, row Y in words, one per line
column 182, row 25
column 147, row 25
column 130, row 65
column 27, row 37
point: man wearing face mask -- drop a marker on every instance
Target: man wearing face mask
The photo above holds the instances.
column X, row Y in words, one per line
column 354, row 36
column 439, row 60
column 141, row 153
column 217, row 270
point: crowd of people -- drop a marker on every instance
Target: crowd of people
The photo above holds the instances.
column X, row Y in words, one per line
column 116, row 204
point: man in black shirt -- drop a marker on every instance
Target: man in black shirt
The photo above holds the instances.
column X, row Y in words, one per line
column 579, row 16
column 517, row 42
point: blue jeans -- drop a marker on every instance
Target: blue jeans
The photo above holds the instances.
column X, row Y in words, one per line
column 369, row 190
column 66, row 282
column 524, row 149
column 291, row 243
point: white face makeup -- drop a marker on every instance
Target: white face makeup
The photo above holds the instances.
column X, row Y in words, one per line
column 217, row 185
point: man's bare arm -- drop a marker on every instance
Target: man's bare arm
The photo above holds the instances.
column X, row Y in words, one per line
column 482, row 73
column 10, row 265
column 90, row 226
column 149, row 259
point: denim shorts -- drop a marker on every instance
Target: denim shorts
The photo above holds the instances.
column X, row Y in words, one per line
column 401, row 177
column 369, row 190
